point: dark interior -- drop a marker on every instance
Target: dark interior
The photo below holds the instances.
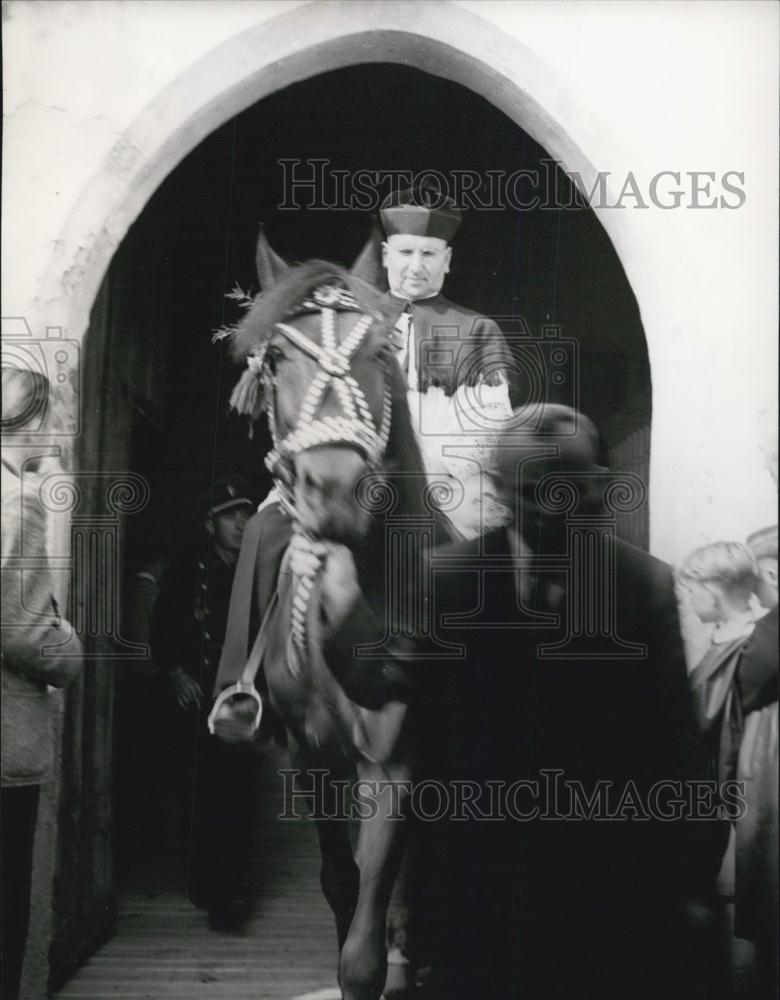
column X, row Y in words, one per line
column 195, row 240
column 157, row 387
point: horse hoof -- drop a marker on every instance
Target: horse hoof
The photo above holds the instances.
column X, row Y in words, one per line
column 400, row 981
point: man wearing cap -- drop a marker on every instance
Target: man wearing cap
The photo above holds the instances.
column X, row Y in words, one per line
column 440, row 343
column 188, row 632
column 534, row 894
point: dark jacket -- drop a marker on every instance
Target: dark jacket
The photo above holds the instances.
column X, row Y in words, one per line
column 547, row 890
column 190, row 616
column 757, row 767
column 757, row 671
column 455, row 346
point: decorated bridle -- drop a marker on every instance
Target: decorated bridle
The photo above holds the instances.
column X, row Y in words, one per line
column 353, row 426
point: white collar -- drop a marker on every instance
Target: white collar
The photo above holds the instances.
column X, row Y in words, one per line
column 411, row 302
column 738, row 627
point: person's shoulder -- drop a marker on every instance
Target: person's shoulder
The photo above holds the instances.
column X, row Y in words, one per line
column 269, row 515
column 185, row 565
column 631, row 560
column 766, row 630
column 443, row 305
column 631, row 554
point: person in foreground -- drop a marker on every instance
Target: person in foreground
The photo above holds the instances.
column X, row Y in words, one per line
column 575, row 882
column 39, row 651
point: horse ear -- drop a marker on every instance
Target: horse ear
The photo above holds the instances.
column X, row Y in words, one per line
column 368, row 263
column 270, row 266
column 386, row 306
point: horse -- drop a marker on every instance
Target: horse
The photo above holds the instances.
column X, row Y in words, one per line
column 320, row 364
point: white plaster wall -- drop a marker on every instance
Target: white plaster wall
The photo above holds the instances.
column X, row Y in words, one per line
column 103, row 99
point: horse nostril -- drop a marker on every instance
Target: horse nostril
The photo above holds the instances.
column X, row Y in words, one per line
column 318, row 482
column 329, row 472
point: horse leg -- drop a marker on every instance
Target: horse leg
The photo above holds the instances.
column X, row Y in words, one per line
column 339, row 875
column 381, row 841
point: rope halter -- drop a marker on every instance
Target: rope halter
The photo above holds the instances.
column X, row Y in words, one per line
column 354, row 426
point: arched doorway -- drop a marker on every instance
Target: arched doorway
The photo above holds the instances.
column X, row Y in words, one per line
column 165, row 292
column 551, row 271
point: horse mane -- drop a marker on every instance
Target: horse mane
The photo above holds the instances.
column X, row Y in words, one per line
column 277, row 303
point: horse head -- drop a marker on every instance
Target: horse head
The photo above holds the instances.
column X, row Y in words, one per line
column 320, row 363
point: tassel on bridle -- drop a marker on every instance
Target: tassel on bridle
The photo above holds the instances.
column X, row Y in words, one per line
column 246, row 398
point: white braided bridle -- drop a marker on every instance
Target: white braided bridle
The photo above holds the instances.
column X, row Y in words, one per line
column 354, row 426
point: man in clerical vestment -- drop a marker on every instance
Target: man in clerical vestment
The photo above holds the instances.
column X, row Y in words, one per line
column 456, row 361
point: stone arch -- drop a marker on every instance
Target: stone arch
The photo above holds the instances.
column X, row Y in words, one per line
column 446, row 39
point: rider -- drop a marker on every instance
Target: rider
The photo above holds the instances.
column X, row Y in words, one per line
column 444, row 350
column 439, row 343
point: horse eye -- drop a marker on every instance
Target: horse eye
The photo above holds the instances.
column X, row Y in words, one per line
column 273, row 356
column 383, row 352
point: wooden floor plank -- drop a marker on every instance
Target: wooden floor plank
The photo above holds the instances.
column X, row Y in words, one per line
column 164, row 949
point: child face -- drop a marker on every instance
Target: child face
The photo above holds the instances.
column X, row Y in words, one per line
column 766, row 591
column 703, row 598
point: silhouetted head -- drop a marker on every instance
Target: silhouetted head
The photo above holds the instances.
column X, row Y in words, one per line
column 718, row 579
column 546, row 457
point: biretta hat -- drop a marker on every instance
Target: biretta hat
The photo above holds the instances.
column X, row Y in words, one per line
column 420, row 211
column 230, row 492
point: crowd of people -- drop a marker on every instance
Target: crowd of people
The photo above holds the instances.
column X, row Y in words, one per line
column 732, row 587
